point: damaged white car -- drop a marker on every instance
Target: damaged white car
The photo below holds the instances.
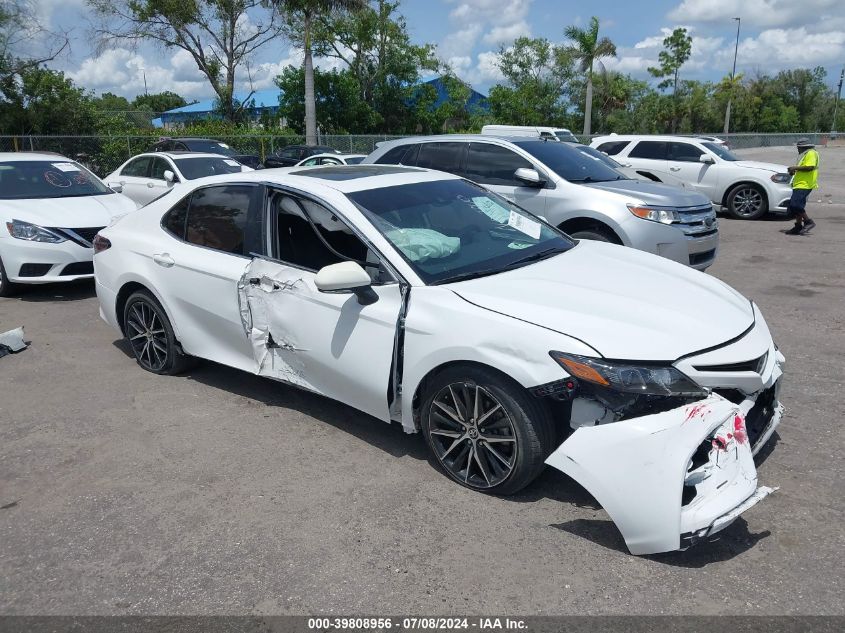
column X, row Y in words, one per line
column 423, row 299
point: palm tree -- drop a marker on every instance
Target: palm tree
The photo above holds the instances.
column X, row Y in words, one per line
column 303, row 13
column 587, row 49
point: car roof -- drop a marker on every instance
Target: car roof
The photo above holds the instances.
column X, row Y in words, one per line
column 32, row 156
column 342, row 178
column 464, row 138
column 646, row 137
column 177, row 154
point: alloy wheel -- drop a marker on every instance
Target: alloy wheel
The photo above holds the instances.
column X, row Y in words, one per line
column 147, row 335
column 747, row 201
column 472, row 435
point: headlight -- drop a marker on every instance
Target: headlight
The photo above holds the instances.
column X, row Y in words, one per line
column 635, row 379
column 781, row 178
column 664, row 216
column 32, row 232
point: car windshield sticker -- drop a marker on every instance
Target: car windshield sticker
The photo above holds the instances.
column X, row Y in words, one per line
column 223, row 145
column 491, row 209
column 57, row 179
column 524, row 225
column 66, row 166
column 519, row 245
column 233, row 163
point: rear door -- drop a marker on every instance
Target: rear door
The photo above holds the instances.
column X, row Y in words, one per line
column 493, row 166
column 648, row 157
column 214, row 230
column 684, row 163
column 155, row 184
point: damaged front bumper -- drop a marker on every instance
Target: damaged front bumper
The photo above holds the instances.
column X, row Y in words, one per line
column 669, row 479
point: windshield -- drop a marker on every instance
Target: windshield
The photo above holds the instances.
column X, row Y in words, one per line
column 592, row 152
column 27, row 179
column 212, row 147
column 721, row 151
column 570, row 164
column 451, row 230
column 566, row 135
column 193, row 168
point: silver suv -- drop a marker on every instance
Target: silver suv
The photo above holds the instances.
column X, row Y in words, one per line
column 582, row 195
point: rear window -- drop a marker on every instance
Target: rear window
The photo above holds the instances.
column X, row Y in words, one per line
column 612, row 148
column 61, row 178
column 655, row 150
column 394, row 156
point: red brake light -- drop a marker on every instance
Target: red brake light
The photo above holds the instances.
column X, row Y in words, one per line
column 100, row 243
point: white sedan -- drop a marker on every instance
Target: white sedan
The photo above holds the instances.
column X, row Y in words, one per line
column 145, row 177
column 331, row 159
column 50, row 209
column 423, row 299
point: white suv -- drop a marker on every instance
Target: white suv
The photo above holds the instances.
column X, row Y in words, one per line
column 747, row 189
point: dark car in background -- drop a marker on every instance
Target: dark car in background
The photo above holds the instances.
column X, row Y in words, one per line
column 292, row 154
column 206, row 146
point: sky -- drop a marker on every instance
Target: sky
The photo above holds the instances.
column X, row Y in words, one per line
column 775, row 35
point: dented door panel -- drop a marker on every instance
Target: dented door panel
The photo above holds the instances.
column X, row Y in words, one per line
column 324, row 342
column 637, row 470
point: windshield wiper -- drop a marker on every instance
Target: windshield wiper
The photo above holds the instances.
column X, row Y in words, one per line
column 544, row 254
column 474, row 274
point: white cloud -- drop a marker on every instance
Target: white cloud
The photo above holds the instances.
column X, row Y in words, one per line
column 507, row 34
column 777, row 48
column 759, row 13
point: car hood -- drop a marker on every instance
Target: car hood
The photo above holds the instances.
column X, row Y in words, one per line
column 654, row 193
column 81, row 212
column 623, row 303
column 753, row 164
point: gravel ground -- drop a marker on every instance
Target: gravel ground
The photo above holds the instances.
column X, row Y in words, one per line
column 219, row 492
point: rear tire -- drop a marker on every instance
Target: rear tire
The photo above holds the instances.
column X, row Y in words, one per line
column 7, row 288
column 747, row 202
column 150, row 335
column 486, row 431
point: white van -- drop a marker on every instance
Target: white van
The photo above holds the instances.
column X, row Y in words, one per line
column 556, row 133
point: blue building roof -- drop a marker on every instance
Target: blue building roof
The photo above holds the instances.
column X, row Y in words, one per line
column 476, row 101
column 260, row 100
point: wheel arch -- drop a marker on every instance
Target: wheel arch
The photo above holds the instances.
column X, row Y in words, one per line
column 582, row 223
column 754, row 183
column 126, row 291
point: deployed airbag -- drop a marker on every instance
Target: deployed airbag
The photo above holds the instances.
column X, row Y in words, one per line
column 419, row 245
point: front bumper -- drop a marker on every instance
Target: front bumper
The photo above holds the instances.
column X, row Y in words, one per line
column 40, row 263
column 669, row 478
column 682, row 243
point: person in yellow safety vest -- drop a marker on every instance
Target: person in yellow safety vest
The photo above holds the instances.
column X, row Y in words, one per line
column 805, row 178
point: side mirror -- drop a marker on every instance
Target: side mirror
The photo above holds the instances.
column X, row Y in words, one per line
column 530, row 177
column 346, row 276
column 707, row 159
column 169, row 176
column 116, row 187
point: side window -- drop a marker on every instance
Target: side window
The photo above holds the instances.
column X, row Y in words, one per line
column 490, row 164
column 139, row 167
column 655, row 150
column 684, row 152
column 394, row 156
column 441, row 156
column 310, row 236
column 289, row 152
column 612, row 148
column 310, row 162
column 174, row 220
column 181, row 147
column 226, row 218
column 159, row 167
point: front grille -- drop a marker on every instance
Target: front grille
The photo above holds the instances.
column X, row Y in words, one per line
column 34, row 270
column 78, row 268
column 701, row 258
column 756, row 365
column 81, row 236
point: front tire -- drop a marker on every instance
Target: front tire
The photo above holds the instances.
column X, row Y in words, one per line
column 485, row 431
column 747, row 202
column 150, row 335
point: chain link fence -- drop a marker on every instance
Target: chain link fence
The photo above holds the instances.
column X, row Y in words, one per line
column 103, row 154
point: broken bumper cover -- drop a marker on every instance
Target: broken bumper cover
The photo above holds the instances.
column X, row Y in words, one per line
column 685, row 472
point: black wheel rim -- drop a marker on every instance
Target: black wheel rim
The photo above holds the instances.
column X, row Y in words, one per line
column 747, row 201
column 472, row 434
column 147, row 335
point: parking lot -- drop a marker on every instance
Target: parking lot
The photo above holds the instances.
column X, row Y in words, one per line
column 123, row 492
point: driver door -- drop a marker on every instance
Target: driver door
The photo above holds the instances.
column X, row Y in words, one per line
column 325, row 342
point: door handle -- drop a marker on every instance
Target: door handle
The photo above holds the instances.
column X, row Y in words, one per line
column 163, row 259
column 674, row 169
column 150, row 185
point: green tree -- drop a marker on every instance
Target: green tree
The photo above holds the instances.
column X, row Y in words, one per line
column 677, row 49
column 159, row 102
column 301, row 18
column 538, row 74
column 219, row 35
column 587, row 50
column 108, row 102
column 22, row 33
column 45, row 102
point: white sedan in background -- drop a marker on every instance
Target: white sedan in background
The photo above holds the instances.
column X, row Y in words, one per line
column 331, row 159
column 423, row 299
column 145, row 177
column 50, row 209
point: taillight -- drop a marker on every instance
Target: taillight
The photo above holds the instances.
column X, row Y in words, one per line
column 100, row 243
